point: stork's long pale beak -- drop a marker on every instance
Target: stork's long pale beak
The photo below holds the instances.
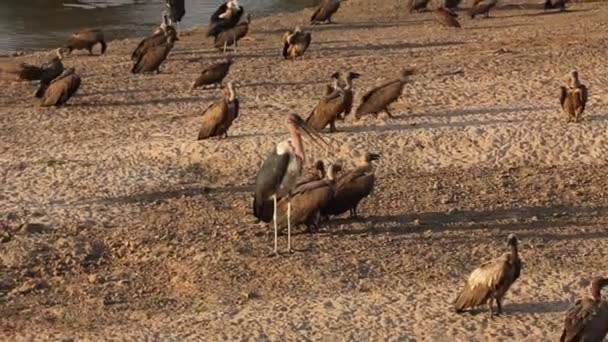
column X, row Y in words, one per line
column 310, row 132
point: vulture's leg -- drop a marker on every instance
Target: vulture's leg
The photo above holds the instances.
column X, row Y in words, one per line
column 388, row 112
column 225, row 46
column 498, row 306
column 332, row 126
column 491, row 308
column 289, row 226
column 274, row 218
column 90, row 48
column 235, row 42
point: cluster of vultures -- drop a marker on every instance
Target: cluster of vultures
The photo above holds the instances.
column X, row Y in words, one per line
column 286, row 195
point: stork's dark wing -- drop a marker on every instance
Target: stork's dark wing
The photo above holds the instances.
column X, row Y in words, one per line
column 269, row 178
column 178, row 9
column 219, row 11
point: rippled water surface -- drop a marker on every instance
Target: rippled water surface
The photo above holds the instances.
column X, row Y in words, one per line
column 40, row 24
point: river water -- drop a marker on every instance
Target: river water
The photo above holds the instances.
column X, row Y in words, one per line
column 42, row 24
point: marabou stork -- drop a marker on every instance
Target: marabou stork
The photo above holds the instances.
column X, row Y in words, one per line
column 177, row 10
column 225, row 17
column 280, row 171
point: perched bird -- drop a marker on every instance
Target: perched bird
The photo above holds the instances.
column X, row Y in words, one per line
column 213, row 74
column 158, row 38
column 482, row 7
column 573, row 98
column 416, row 5
column 86, row 39
column 295, row 43
column 225, row 17
column 219, row 116
column 587, row 321
column 446, row 17
column 491, row 281
column 152, row 58
column 352, row 187
column 325, row 11
column 279, row 174
column 61, row 89
column 379, row 98
column 232, row 35
column 177, row 10
column 554, row 4
column 50, row 71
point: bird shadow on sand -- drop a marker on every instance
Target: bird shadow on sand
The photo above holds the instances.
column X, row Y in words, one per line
column 511, row 219
column 277, row 84
column 165, row 101
column 405, row 127
column 471, row 111
column 346, row 26
column 391, row 45
column 537, row 308
column 543, row 13
column 116, row 92
column 497, row 27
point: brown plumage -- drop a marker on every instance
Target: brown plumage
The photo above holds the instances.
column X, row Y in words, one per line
column 349, row 95
column 219, row 116
column 587, row 321
column 491, row 281
column 295, row 43
column 158, row 38
column 416, row 5
column 50, row 71
column 13, row 70
column 152, row 58
column 325, row 11
column 86, row 39
column 231, row 36
column 378, row 99
column 482, row 7
column 352, row 187
column 573, row 98
column 213, row 74
column 61, row 89
column 327, row 111
column 446, row 17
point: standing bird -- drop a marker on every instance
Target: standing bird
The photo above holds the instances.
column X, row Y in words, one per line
column 158, row 38
column 86, row 39
column 325, row 11
column 61, row 89
column 346, row 85
column 379, row 98
column 219, row 116
column 153, row 57
column 13, row 70
column 225, row 17
column 482, row 7
column 573, row 98
column 213, row 74
column 416, row 5
column 587, row 321
column 491, row 281
column 446, row 17
column 49, row 72
column 231, row 36
column 327, row 111
column 280, row 172
column 295, row 43
column 177, row 10
column 352, row 187
column 553, row 4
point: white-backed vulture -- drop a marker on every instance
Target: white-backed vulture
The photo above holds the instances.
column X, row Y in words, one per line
column 482, row 7
column 86, row 39
column 61, row 89
column 378, row 99
column 573, row 98
column 327, row 111
column 232, row 35
column 50, row 71
column 152, row 58
column 219, row 116
column 491, row 281
column 213, row 74
column 587, row 321
column 446, row 17
column 295, row 43
column 158, row 38
column 352, row 187
column 325, row 11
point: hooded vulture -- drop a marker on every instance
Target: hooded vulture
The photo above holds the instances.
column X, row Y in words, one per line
column 587, row 321
column 352, row 187
column 61, row 89
column 151, row 59
column 325, row 11
column 219, row 116
column 213, row 74
column 482, row 7
column 491, row 281
column 232, row 35
column 446, row 17
column 225, row 17
column 295, row 43
column 573, row 98
column 158, row 38
column 86, row 39
column 379, row 98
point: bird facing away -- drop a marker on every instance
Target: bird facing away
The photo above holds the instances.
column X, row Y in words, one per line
column 553, row 4
column 378, row 99
column 225, row 17
column 295, row 43
column 158, row 38
column 231, row 36
column 325, row 11
column 153, row 57
column 61, row 89
column 219, row 116
column 86, row 40
column 213, row 74
column 352, row 187
column 573, row 98
column 416, row 5
column 446, row 17
column 587, row 321
column 50, row 71
column 279, row 173
column 482, row 7
column 491, row 281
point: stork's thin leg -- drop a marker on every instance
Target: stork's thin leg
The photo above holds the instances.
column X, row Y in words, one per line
column 274, row 218
column 225, row 46
column 289, row 226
